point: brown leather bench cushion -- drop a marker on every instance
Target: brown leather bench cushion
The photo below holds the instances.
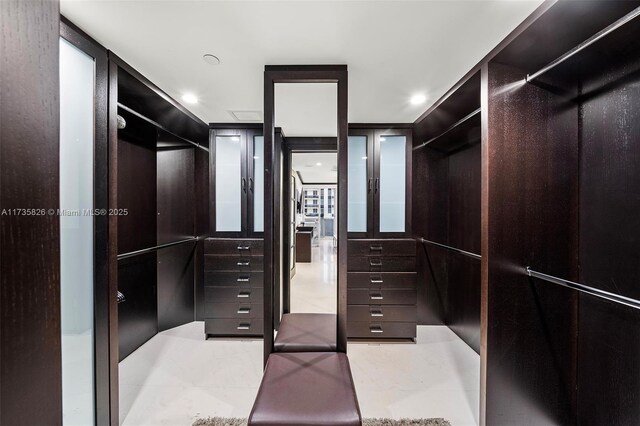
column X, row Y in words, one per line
column 306, row 333
column 306, row 388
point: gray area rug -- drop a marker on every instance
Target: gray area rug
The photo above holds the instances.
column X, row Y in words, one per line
column 234, row 421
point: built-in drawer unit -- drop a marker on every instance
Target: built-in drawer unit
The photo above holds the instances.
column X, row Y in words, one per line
column 381, row 263
column 382, row 247
column 233, row 287
column 234, row 327
column 381, row 330
column 231, row 279
column 381, row 289
column 385, row 280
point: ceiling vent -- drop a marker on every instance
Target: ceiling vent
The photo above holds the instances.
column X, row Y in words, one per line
column 246, row 115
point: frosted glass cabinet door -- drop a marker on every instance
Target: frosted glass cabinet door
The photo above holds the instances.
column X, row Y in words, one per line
column 228, row 158
column 392, row 171
column 357, row 184
column 258, row 184
column 77, row 88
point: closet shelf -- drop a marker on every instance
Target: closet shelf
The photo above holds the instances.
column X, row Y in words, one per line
column 612, row 297
column 457, row 250
column 160, row 126
column 461, row 133
column 587, row 57
column 156, row 248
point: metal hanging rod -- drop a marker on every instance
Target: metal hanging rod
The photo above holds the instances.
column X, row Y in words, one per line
column 156, row 248
column 160, row 126
column 456, row 124
column 588, row 42
column 612, row 297
column 457, row 250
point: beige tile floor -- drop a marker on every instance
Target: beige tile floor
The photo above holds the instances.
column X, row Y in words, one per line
column 179, row 376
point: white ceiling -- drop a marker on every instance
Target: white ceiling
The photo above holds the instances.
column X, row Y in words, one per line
column 393, row 49
column 306, row 164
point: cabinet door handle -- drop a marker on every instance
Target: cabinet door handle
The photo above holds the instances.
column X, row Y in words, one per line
column 244, row 310
column 243, row 263
column 375, row 248
column 377, row 184
column 377, row 280
column 243, row 279
column 375, row 263
column 244, row 185
column 244, row 327
column 243, row 295
column 377, row 296
column 376, row 329
column 377, row 314
column 370, row 185
column 244, row 248
column 251, row 184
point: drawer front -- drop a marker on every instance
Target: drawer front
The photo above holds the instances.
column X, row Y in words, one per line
column 402, row 247
column 232, row 295
column 241, row 247
column 232, row 279
column 234, row 327
column 234, row 310
column 405, row 280
column 233, row 263
column 381, row 264
column 381, row 313
column 381, row 330
column 381, row 297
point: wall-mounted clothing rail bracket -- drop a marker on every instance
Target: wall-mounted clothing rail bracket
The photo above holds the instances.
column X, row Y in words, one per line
column 453, row 126
column 160, row 126
column 156, row 248
column 612, row 297
column 457, row 250
column 588, row 42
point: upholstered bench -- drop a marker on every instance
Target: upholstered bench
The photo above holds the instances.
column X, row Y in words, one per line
column 306, row 333
column 306, row 388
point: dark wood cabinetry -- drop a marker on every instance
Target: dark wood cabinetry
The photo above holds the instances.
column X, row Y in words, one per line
column 447, row 168
column 381, row 288
column 233, row 287
column 157, row 171
column 381, row 278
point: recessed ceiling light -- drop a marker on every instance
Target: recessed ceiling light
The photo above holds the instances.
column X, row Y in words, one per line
column 211, row 59
column 418, row 99
column 190, row 98
column 318, row 164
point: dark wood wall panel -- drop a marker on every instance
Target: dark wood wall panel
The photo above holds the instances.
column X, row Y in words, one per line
column 464, row 199
column 137, row 193
column 30, row 370
column 608, row 364
column 176, row 197
column 609, row 352
column 532, row 160
column 138, row 314
column 176, row 302
column 463, row 298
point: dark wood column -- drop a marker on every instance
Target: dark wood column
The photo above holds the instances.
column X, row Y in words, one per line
column 30, row 360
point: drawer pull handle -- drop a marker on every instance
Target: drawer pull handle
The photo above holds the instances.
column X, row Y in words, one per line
column 243, row 280
column 376, row 329
column 375, row 248
column 375, row 263
column 243, row 263
column 243, row 295
column 377, row 297
column 377, row 314
column 244, row 310
column 244, row 327
column 243, row 247
column 376, row 281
